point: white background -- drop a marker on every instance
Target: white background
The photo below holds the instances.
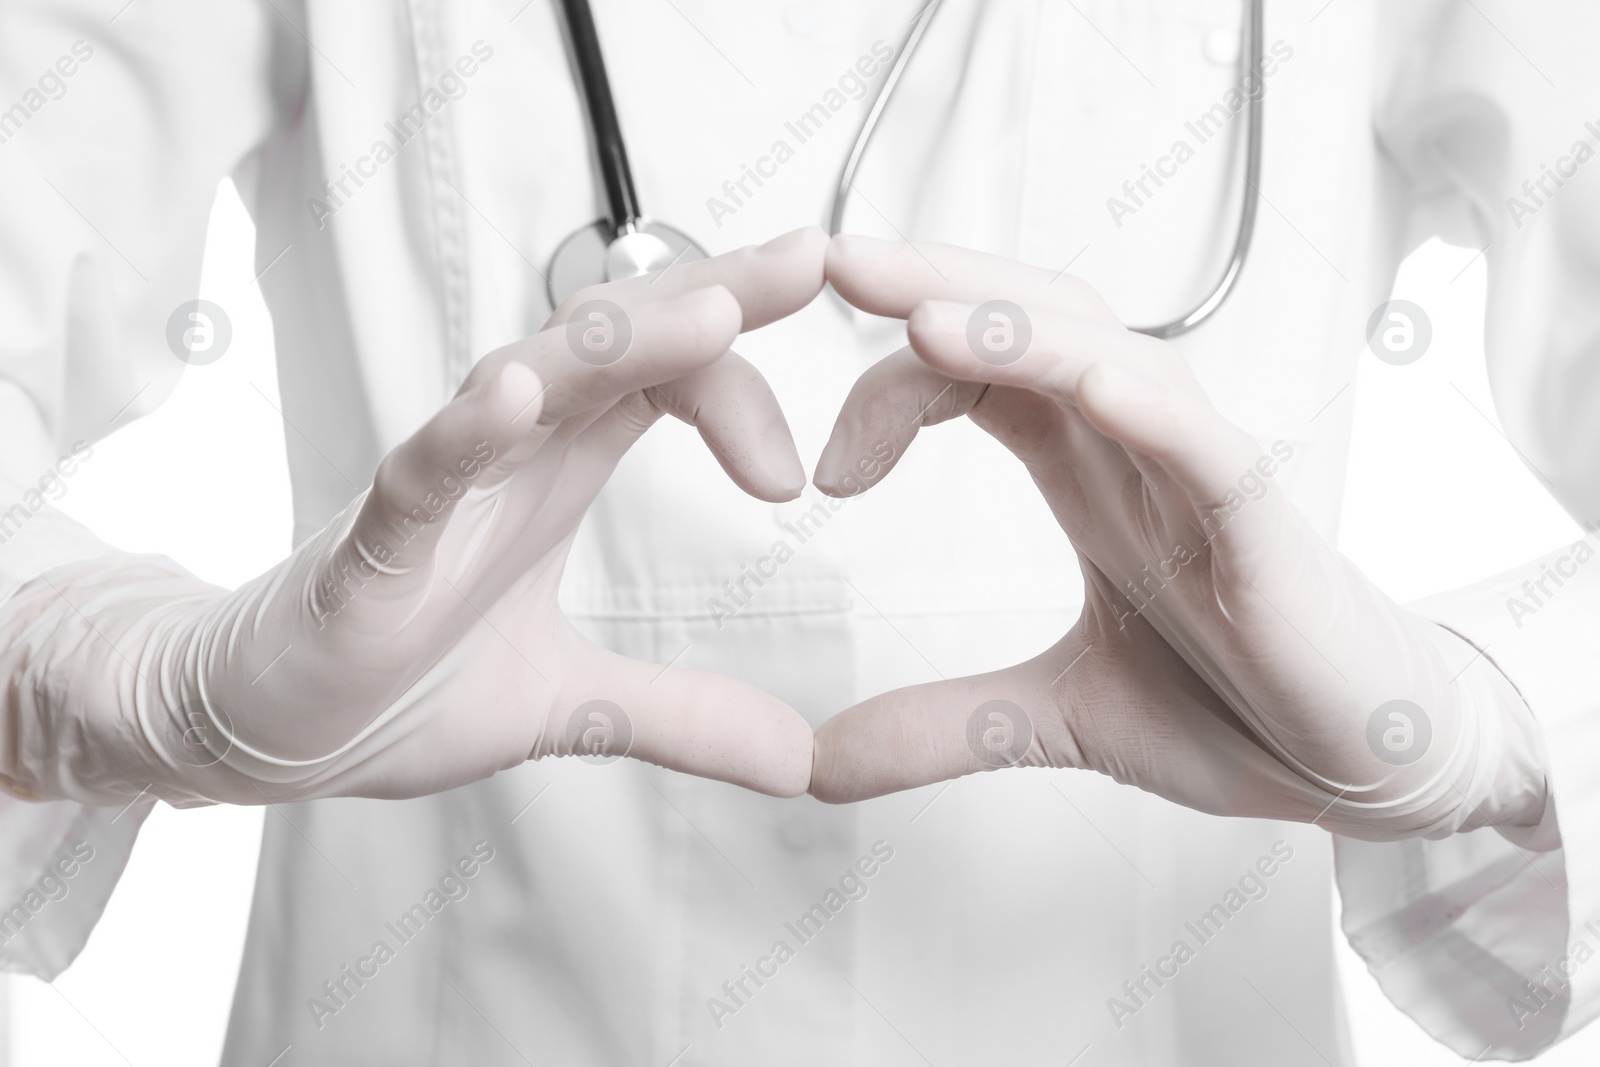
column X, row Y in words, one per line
column 204, row 480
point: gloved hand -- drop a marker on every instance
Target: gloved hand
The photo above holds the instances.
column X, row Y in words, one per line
column 415, row 644
column 1226, row 658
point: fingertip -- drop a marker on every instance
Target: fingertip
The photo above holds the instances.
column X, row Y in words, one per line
column 852, row 249
column 784, row 495
column 778, row 761
column 781, row 477
column 714, row 314
column 812, row 236
column 839, row 484
column 517, row 395
column 937, row 318
column 800, row 753
column 837, row 258
column 826, row 484
column 825, row 783
column 833, row 468
column 853, row 266
column 774, row 280
column 809, row 244
column 838, row 776
column 933, row 329
column 722, row 303
column 790, row 484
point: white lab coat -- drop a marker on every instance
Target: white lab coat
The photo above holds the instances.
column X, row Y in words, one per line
column 1014, row 906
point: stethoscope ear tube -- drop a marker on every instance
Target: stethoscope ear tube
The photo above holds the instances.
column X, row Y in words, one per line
column 1250, row 196
column 847, row 177
column 615, row 173
column 1250, row 59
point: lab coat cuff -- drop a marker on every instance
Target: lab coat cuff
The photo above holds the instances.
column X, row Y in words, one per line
column 59, row 863
column 1491, row 948
column 59, row 860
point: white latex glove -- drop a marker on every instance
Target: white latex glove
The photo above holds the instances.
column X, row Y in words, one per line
column 415, row 644
column 1226, row 658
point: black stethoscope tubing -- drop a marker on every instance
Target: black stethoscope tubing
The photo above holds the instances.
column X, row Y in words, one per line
column 615, row 173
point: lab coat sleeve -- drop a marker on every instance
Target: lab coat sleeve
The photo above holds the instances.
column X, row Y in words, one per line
column 114, row 136
column 1494, row 948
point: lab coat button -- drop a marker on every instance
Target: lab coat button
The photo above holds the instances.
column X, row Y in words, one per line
column 1222, row 47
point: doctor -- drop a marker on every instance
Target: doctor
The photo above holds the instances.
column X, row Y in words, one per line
column 619, row 913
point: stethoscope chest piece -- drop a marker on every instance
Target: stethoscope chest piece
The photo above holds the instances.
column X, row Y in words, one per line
column 597, row 253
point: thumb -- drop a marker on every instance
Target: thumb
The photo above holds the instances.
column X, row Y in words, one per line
column 928, row 733
column 703, row 724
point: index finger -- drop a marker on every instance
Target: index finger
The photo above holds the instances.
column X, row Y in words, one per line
column 892, row 277
column 770, row 281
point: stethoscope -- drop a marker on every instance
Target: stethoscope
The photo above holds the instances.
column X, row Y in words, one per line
column 627, row 244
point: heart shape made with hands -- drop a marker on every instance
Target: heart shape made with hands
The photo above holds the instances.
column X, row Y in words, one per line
column 1225, row 658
